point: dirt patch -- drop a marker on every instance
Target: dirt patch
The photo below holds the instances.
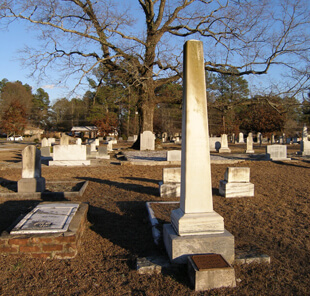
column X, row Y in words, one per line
column 276, row 221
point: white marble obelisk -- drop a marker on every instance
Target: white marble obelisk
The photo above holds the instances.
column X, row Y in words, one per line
column 195, row 215
column 195, row 227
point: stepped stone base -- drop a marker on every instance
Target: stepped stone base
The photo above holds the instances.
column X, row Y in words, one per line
column 180, row 247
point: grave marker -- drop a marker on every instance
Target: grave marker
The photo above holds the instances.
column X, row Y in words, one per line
column 224, row 144
column 195, row 227
column 276, row 152
column 147, row 141
column 31, row 171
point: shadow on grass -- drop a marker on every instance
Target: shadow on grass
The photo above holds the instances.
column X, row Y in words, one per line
column 132, row 231
column 126, row 186
column 11, row 211
column 142, row 180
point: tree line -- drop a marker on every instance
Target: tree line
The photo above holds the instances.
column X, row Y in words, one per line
column 113, row 108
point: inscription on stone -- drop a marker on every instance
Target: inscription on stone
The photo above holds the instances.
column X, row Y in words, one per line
column 208, row 261
column 47, row 218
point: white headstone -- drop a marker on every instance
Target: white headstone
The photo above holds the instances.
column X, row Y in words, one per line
column 64, row 140
column 174, row 155
column 236, row 183
column 78, row 141
column 224, row 144
column 31, row 171
column 276, row 152
column 44, row 143
column 259, row 138
column 249, row 143
column 215, row 144
column 51, row 141
column 147, row 141
column 69, row 152
column 241, row 138
column 31, row 162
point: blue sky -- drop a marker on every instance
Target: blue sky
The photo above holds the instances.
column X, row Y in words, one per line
column 14, row 39
column 11, row 68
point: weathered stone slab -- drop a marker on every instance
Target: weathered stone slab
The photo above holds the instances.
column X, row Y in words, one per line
column 237, row 174
column 169, row 190
column 31, row 185
column 103, row 152
column 69, row 152
column 31, row 171
column 276, row 152
column 64, row 140
column 172, row 175
column 46, row 151
column 47, row 218
column 31, row 162
column 241, row 138
column 215, row 144
column 44, row 142
column 214, row 275
column 180, row 247
column 69, row 162
column 174, row 155
column 147, row 141
column 51, row 141
column 249, row 144
column 229, row 190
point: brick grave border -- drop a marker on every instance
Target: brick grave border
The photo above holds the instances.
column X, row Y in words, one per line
column 48, row 246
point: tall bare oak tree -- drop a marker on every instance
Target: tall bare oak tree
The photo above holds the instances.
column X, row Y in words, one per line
column 140, row 41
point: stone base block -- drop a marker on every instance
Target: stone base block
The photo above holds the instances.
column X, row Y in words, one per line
column 196, row 223
column 170, row 190
column 29, row 185
column 179, row 247
column 249, row 151
column 103, row 156
column 229, row 190
column 210, row 278
column 69, row 162
column 46, row 151
column 224, row 150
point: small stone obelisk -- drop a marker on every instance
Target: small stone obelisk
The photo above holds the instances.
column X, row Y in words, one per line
column 31, row 171
column 195, row 226
column 224, row 144
column 249, row 144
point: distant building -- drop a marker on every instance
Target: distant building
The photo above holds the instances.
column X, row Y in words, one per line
column 85, row 131
column 32, row 131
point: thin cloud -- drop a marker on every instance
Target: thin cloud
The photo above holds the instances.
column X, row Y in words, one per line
column 49, row 86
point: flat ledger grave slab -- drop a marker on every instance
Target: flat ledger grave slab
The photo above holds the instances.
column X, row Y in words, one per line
column 47, row 218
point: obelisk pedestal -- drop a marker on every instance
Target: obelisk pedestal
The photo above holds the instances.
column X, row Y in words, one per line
column 195, row 227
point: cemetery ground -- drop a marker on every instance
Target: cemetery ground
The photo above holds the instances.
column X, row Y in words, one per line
column 274, row 222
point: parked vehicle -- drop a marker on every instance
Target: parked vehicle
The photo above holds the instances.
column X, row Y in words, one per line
column 16, row 138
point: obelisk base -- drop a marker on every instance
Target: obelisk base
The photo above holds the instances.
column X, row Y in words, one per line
column 196, row 223
column 180, row 247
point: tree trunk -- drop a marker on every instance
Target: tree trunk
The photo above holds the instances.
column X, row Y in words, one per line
column 146, row 108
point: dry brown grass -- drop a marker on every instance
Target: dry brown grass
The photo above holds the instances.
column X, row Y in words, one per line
column 275, row 221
